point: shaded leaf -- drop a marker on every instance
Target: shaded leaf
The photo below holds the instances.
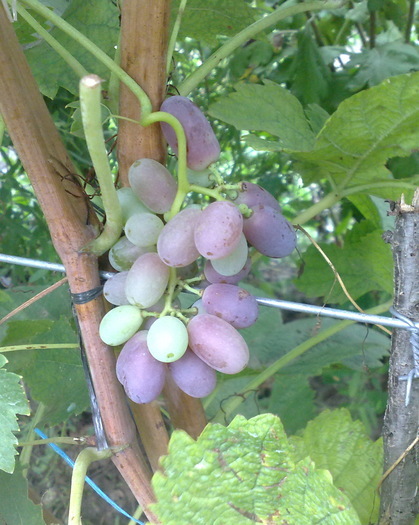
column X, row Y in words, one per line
column 364, row 263
column 244, row 473
column 336, row 443
column 205, row 20
column 12, row 402
column 97, row 20
column 15, row 506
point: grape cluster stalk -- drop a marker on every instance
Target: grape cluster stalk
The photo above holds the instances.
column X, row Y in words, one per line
column 170, row 247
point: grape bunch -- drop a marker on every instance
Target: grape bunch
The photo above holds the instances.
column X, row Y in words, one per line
column 171, row 247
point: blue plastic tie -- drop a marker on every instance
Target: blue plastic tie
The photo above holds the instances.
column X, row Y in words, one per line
column 88, row 480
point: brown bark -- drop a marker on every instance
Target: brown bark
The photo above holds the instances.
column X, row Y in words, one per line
column 399, row 493
column 71, row 225
column 144, row 38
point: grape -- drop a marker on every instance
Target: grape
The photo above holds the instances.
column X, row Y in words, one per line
column 143, row 229
column 114, row 289
column 213, row 276
column 218, row 344
column 218, row 230
column 176, row 246
column 201, row 178
column 233, row 263
column 141, row 375
column 146, row 280
column 119, row 324
column 202, row 145
column 130, row 203
column 123, row 254
column 269, row 232
column 233, row 304
column 192, row 375
column 153, row 184
column 253, row 195
column 199, row 306
column 167, row 339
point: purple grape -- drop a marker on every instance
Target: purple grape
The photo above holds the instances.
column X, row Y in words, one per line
column 192, row 375
column 202, row 145
column 176, row 245
column 153, row 184
column 218, row 230
column 114, row 289
column 146, row 280
column 141, row 375
column 212, row 276
column 218, row 344
column 269, row 232
column 253, row 195
column 231, row 303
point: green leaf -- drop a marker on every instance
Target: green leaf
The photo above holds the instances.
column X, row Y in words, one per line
column 364, row 263
column 310, row 74
column 244, row 473
column 12, row 401
column 336, row 443
column 205, row 21
column 365, row 131
column 97, row 20
column 317, row 117
column 55, row 376
column 15, row 506
column 269, row 108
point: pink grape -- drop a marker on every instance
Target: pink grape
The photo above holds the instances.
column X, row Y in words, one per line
column 252, row 195
column 192, row 375
column 269, row 232
column 202, row 145
column 141, row 375
column 114, row 289
column 153, row 184
column 231, row 303
column 218, row 230
column 212, row 276
column 146, row 280
column 218, row 344
column 175, row 245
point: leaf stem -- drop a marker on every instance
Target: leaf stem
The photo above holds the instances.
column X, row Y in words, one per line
column 90, row 93
column 75, row 65
column 410, row 20
column 84, row 459
column 15, row 348
column 284, row 11
column 280, row 363
column 94, row 50
column 326, row 202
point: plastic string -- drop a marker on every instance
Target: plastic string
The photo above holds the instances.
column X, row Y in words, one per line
column 88, row 480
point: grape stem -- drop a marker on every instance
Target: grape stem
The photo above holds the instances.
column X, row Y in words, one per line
column 90, row 93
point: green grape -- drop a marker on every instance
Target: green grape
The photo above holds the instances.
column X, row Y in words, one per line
column 120, row 324
column 167, row 339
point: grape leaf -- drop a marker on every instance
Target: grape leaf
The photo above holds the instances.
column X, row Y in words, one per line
column 364, row 132
column 12, row 401
column 15, row 506
column 244, row 473
column 267, row 107
column 364, row 262
column 336, row 443
column 97, row 20
column 205, row 20
column 54, row 376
